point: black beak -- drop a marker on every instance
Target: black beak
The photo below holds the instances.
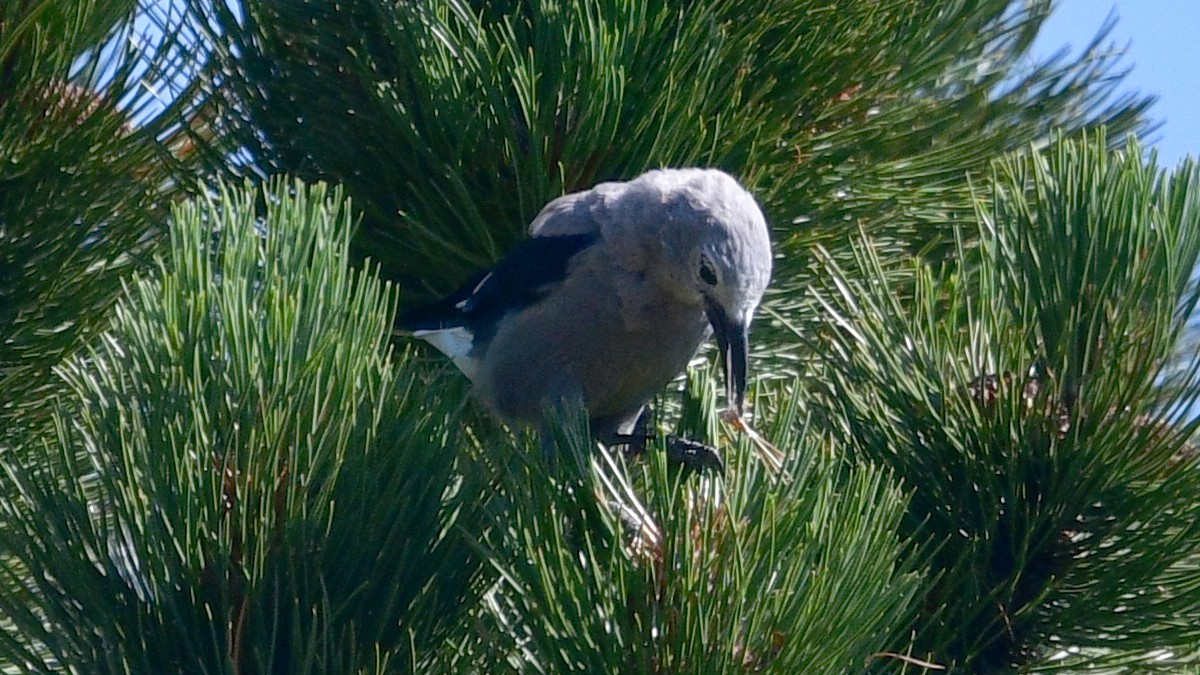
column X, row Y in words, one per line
column 733, row 340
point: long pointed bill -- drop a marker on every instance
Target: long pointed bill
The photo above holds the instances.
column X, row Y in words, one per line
column 733, row 340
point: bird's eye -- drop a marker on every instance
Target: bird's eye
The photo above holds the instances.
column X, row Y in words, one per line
column 707, row 273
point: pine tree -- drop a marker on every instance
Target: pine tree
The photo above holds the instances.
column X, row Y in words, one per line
column 975, row 354
column 88, row 164
column 1038, row 409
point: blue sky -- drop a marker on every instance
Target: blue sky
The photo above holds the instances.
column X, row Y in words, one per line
column 1159, row 37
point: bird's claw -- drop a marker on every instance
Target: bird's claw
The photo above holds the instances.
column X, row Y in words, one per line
column 694, row 454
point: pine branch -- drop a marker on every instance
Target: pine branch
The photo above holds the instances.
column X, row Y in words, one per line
column 89, row 161
column 608, row 566
column 250, row 483
column 451, row 123
column 1053, row 481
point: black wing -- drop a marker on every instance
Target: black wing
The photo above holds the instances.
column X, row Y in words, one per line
column 520, row 279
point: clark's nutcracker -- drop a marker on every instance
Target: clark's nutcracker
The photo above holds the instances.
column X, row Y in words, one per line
column 609, row 299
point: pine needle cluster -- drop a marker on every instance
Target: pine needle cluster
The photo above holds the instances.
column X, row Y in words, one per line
column 978, row 354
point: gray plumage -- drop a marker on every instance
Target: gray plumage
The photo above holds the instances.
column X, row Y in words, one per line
column 610, row 298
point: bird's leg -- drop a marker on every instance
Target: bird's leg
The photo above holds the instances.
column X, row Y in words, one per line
column 635, row 439
column 693, row 454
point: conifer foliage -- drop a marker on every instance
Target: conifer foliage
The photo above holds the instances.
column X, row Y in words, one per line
column 244, row 481
column 976, row 356
column 1037, row 409
column 89, row 163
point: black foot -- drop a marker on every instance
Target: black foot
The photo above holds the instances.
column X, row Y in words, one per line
column 636, row 441
column 632, row 445
column 695, row 455
column 691, row 454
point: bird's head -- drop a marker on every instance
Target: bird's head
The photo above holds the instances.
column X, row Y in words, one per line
column 715, row 251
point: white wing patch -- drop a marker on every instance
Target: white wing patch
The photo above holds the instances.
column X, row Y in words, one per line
column 465, row 305
column 456, row 343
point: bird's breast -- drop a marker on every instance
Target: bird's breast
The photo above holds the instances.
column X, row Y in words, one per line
column 614, row 341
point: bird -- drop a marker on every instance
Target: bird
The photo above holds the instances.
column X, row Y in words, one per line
column 609, row 298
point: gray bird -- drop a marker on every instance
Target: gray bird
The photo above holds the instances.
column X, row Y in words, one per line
column 609, row 298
